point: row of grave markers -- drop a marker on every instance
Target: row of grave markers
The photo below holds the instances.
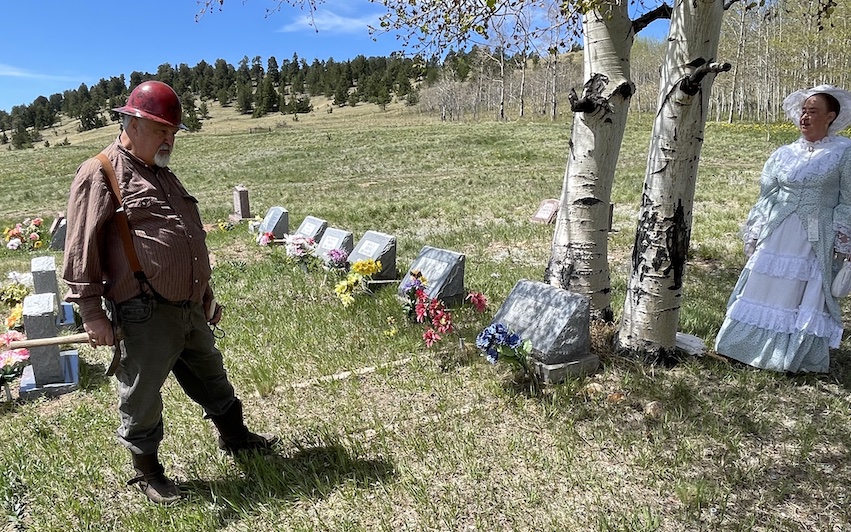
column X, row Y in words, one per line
column 555, row 321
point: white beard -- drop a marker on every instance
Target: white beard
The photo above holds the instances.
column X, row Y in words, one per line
column 161, row 159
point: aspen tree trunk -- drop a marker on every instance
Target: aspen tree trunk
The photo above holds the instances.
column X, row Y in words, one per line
column 579, row 260
column 654, row 293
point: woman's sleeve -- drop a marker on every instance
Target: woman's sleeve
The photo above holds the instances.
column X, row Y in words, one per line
column 758, row 215
column 842, row 211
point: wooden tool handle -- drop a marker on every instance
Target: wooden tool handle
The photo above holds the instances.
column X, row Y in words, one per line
column 55, row 340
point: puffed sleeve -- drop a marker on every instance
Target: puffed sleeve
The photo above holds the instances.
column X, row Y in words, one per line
column 89, row 207
column 842, row 211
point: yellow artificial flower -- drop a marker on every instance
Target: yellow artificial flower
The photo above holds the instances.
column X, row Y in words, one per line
column 13, row 318
column 367, row 267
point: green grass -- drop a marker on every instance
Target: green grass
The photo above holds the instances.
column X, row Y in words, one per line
column 433, row 439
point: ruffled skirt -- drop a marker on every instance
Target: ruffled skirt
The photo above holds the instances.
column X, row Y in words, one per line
column 776, row 317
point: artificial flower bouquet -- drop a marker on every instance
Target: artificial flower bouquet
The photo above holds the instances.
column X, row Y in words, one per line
column 29, row 235
column 357, row 281
column 11, row 360
column 497, row 342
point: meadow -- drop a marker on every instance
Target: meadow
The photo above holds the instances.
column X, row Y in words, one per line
column 418, row 438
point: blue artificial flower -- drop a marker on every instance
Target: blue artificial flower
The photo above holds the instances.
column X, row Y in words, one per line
column 493, row 355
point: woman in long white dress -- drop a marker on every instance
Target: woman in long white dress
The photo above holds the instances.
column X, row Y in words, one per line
column 781, row 315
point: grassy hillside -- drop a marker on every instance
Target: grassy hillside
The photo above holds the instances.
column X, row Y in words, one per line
column 433, row 439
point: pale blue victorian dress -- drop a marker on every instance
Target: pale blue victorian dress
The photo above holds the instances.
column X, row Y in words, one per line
column 781, row 315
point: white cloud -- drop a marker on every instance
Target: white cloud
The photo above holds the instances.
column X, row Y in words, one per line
column 324, row 20
column 15, row 72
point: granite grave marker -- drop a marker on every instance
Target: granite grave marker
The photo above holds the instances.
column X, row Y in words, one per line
column 334, row 238
column 277, row 222
column 444, row 274
column 312, row 227
column 380, row 247
column 558, row 324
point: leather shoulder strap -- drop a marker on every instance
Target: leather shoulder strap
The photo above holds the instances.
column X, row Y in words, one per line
column 121, row 217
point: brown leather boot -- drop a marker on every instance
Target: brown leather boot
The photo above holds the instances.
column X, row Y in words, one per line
column 152, row 481
column 234, row 436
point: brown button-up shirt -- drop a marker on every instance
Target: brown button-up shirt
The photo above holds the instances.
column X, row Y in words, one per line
column 166, row 228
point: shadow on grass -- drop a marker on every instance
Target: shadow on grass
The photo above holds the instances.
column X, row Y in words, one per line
column 308, row 473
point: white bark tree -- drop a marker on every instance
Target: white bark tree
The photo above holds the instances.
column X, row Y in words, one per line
column 654, row 293
column 579, row 258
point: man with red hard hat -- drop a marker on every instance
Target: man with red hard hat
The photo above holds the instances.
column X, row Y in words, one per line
column 159, row 318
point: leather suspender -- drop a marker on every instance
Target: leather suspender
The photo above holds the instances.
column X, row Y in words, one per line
column 123, row 226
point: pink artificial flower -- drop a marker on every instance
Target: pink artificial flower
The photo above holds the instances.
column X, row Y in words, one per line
column 478, row 300
column 33, row 236
column 36, row 221
column 430, row 337
column 420, row 310
column 13, row 356
column 11, row 336
column 15, row 243
column 265, row 239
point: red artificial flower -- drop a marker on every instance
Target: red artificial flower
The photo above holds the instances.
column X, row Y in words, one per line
column 478, row 300
column 442, row 321
column 430, row 337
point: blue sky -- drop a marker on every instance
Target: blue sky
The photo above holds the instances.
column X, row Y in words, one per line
column 51, row 46
column 54, row 45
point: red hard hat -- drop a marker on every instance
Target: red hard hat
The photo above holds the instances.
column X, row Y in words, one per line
column 155, row 101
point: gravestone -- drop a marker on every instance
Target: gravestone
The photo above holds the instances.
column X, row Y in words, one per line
column 241, row 208
column 546, row 212
column 43, row 271
column 57, row 234
column 277, row 222
column 50, row 371
column 333, row 238
column 312, row 227
column 378, row 246
column 40, row 322
column 558, row 324
column 444, row 274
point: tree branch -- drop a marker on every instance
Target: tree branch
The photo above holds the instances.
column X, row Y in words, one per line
column 691, row 83
column 661, row 12
column 592, row 97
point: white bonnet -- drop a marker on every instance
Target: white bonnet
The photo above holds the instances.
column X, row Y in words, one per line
column 792, row 105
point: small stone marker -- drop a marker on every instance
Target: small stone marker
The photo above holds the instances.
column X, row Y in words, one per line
column 444, row 274
column 334, row 238
column 57, row 233
column 277, row 222
column 312, row 227
column 378, row 246
column 557, row 323
column 546, row 212
column 241, row 208
column 44, row 276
